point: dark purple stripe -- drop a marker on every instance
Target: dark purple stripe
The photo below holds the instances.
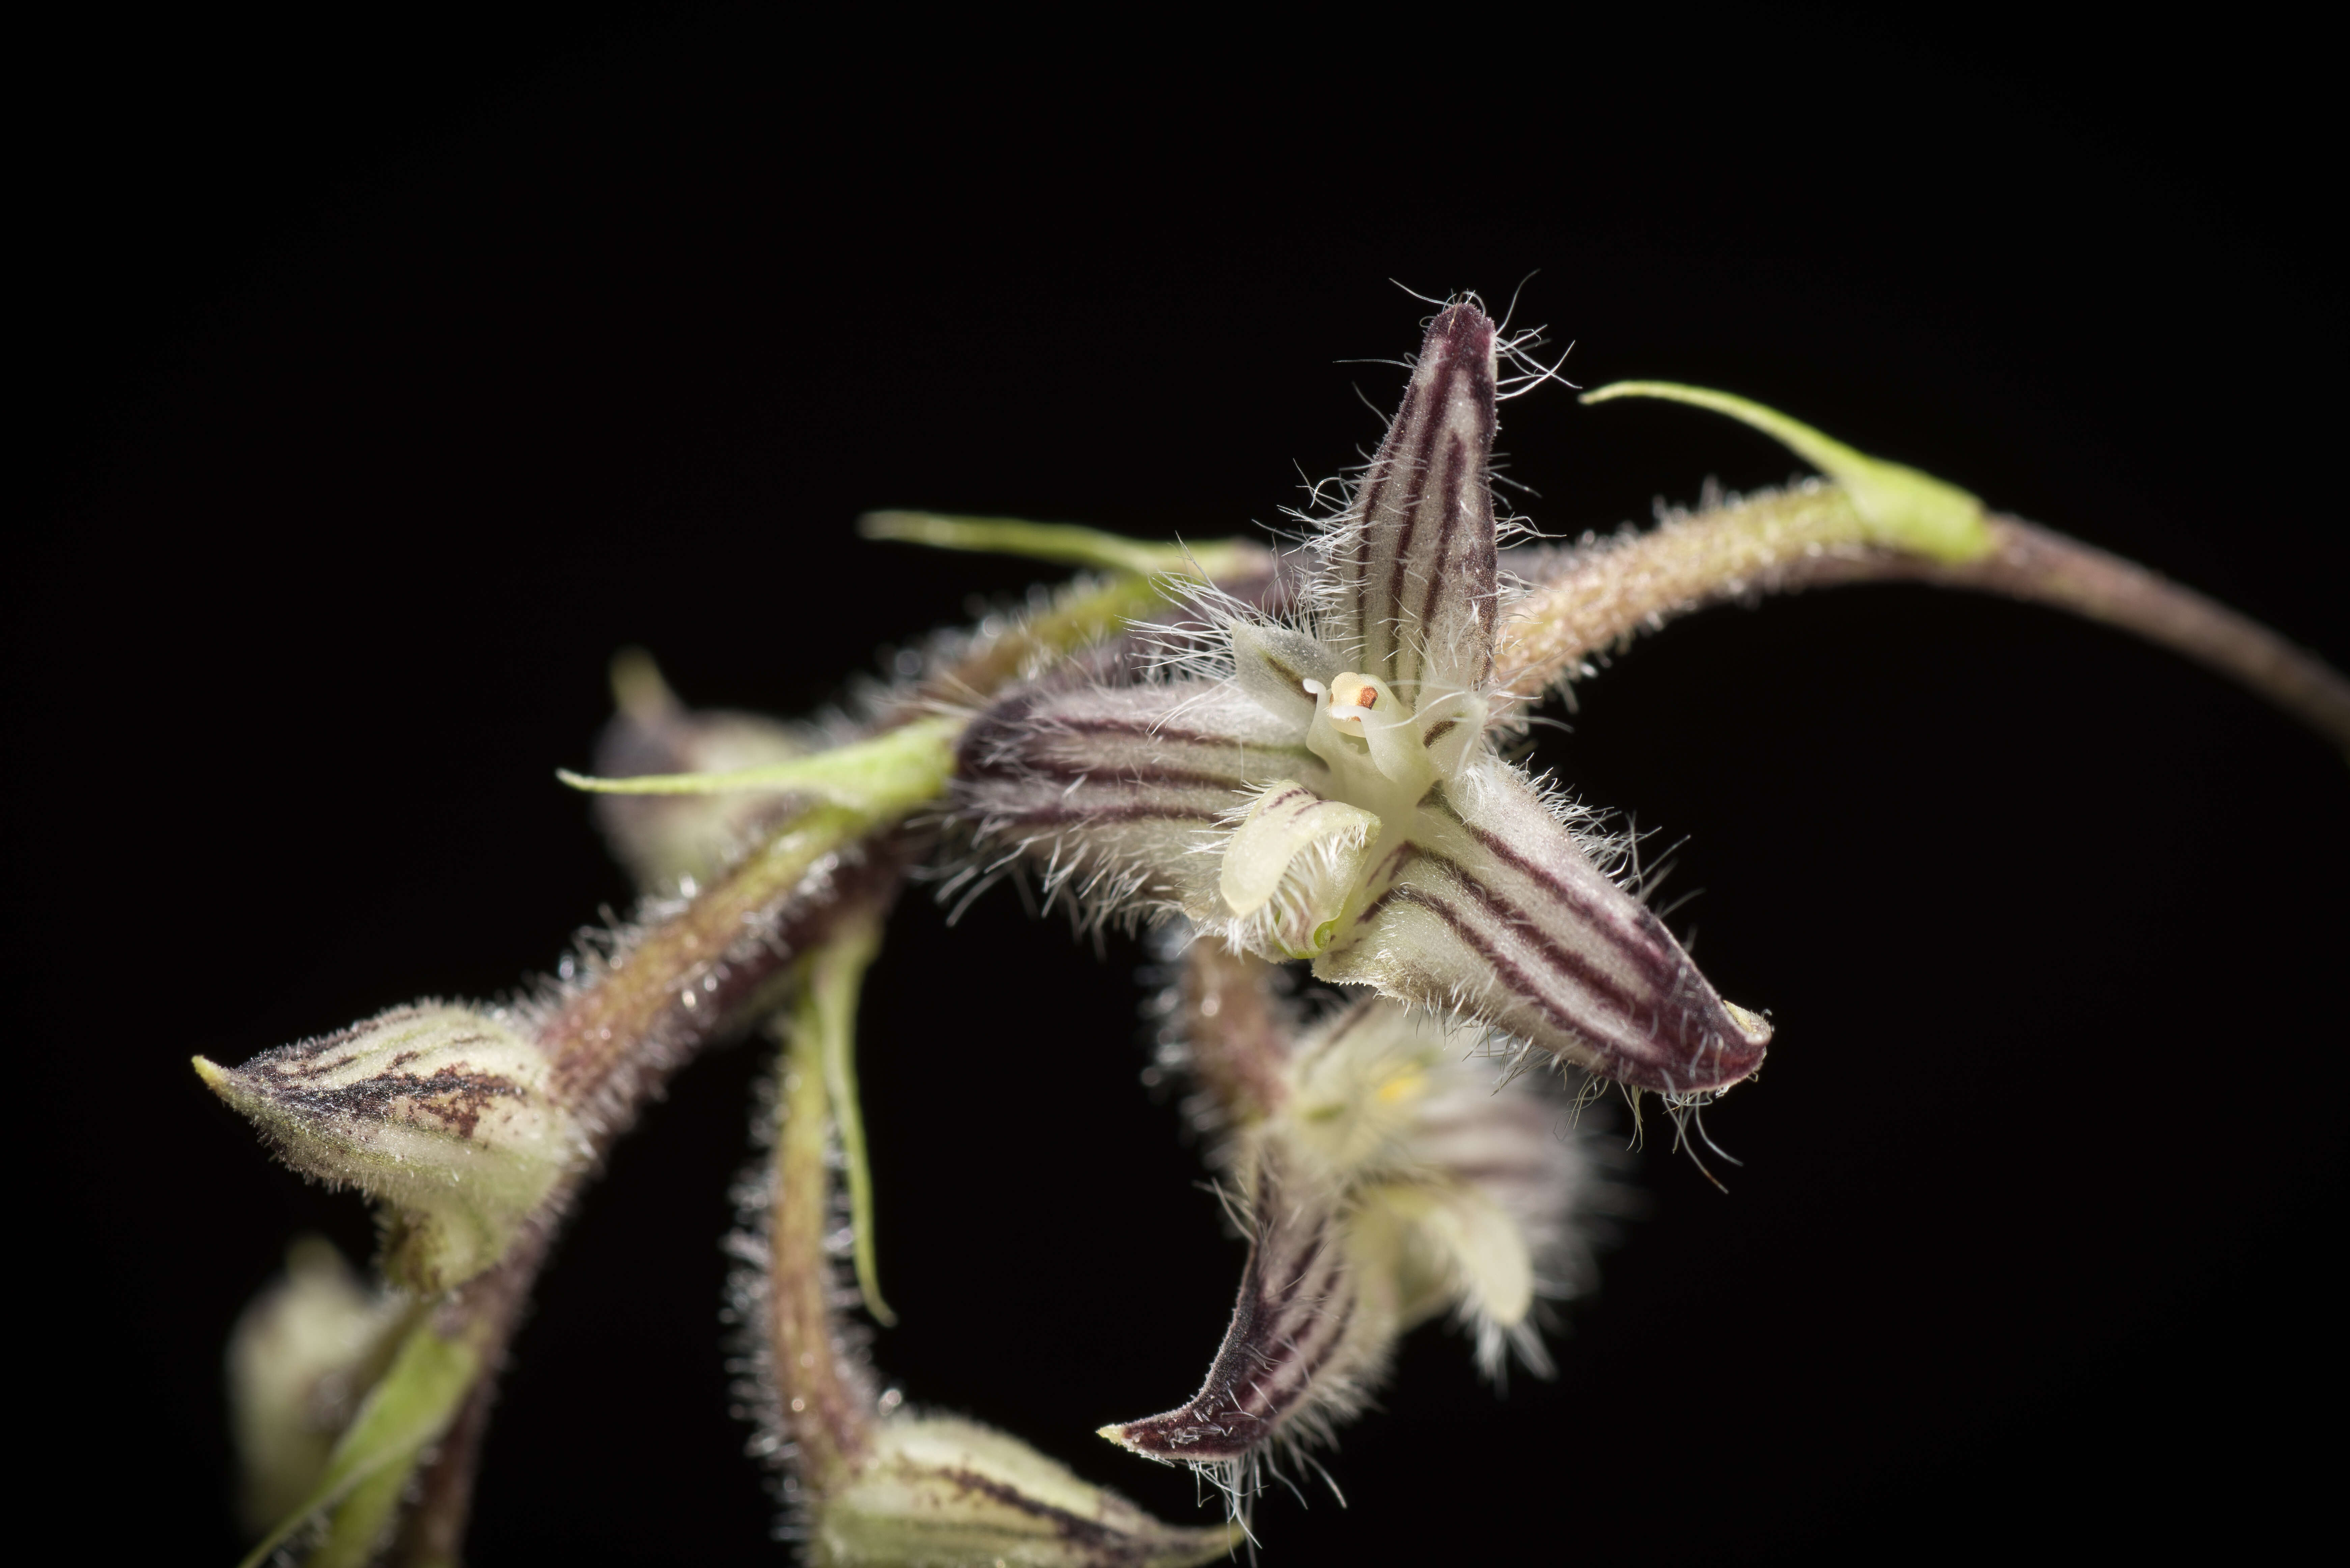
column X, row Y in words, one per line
column 1449, row 499
column 1521, row 982
column 1372, row 497
column 1302, row 1366
column 1119, row 772
column 1048, row 816
column 1268, row 1359
column 1416, row 500
column 1565, row 960
column 1577, row 901
column 1136, row 730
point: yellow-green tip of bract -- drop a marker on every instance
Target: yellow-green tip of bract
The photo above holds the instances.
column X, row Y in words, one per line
column 1067, row 545
column 888, row 774
column 1900, row 505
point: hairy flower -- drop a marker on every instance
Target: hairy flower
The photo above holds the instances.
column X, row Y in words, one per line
column 1328, row 787
column 1387, row 1180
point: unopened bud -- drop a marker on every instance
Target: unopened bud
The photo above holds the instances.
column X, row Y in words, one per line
column 936, row 1490
column 441, row 1112
column 665, row 839
column 302, row 1356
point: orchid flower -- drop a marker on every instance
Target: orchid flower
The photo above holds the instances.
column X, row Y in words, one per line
column 1326, row 787
column 1383, row 1176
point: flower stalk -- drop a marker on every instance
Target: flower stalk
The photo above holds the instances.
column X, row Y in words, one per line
column 870, row 1481
column 827, row 1397
column 1590, row 599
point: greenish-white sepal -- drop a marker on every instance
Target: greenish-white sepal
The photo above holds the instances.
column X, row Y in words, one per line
column 1068, row 545
column 405, row 1413
column 1357, row 1091
column 1365, row 1094
column 1901, row 506
column 893, row 771
column 936, row 1490
column 1272, row 664
column 442, row 1112
column 1291, row 865
column 303, row 1354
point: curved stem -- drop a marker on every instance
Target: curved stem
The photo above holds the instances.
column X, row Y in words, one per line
column 1585, row 601
column 432, row 1536
column 2039, row 565
column 649, row 998
column 826, row 1396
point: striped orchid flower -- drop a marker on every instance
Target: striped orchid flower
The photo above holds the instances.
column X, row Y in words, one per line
column 1323, row 784
column 1383, row 1179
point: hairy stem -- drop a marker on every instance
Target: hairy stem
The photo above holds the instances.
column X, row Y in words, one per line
column 708, row 970
column 713, row 967
column 488, row 1308
column 1236, row 1030
column 1590, row 599
column 2040, row 566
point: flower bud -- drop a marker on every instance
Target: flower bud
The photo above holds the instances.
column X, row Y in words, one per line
column 441, row 1112
column 935, row 1491
column 299, row 1359
column 665, row 839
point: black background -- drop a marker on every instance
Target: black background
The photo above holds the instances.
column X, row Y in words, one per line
column 387, row 374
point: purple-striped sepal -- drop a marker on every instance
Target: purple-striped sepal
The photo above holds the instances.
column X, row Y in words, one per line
column 1410, row 591
column 1493, row 911
column 1122, row 796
